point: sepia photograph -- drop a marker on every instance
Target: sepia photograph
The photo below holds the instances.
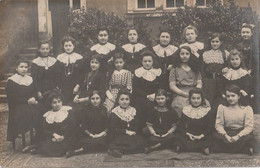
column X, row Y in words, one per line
column 129, row 83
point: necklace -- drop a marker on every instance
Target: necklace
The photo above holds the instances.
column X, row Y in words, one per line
column 69, row 67
column 90, row 77
column 46, row 64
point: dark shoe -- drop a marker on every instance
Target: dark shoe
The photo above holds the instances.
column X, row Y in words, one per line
column 115, row 153
column 205, row 151
column 250, row 151
column 70, row 153
column 147, row 150
column 178, row 149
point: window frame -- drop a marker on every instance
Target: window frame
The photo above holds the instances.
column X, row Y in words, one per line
column 144, row 9
column 175, row 7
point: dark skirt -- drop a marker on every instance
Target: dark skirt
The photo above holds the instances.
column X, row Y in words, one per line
column 167, row 141
column 209, row 89
column 127, row 143
column 89, row 143
column 185, row 144
column 220, row 144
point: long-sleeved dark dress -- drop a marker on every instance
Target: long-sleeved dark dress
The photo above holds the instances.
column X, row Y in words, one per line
column 132, row 56
column 45, row 76
column 162, row 119
column 94, row 120
column 63, row 123
column 120, row 121
column 195, row 121
column 71, row 69
column 145, row 82
column 22, row 116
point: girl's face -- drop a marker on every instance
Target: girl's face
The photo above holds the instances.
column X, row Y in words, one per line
column 165, row 38
column 215, row 43
column 124, row 101
column 22, row 68
column 161, row 100
column 68, row 47
column 246, row 33
column 147, row 62
column 102, row 37
column 56, row 104
column 184, row 55
column 95, row 100
column 195, row 100
column 44, row 50
column 132, row 36
column 232, row 98
column 94, row 64
column 235, row 61
column 119, row 63
column 190, row 35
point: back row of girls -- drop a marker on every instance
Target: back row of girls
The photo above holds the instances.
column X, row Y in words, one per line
column 133, row 68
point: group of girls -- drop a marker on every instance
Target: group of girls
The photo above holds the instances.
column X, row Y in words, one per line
column 133, row 99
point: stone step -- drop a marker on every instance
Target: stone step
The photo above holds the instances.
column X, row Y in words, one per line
column 2, row 91
column 27, row 56
column 3, row 99
column 30, row 50
column 3, row 83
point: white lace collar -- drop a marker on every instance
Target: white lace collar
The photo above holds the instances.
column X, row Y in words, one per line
column 194, row 47
column 126, row 115
column 149, row 75
column 103, row 49
column 161, row 109
column 195, row 113
column 122, row 71
column 213, row 56
column 50, row 61
column 69, row 58
column 21, row 80
column 57, row 116
column 159, row 50
column 129, row 47
column 233, row 74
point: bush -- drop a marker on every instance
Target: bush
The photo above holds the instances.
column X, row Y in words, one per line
column 83, row 27
column 226, row 19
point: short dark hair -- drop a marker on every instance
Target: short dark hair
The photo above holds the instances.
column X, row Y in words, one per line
column 200, row 92
column 55, row 94
column 21, row 60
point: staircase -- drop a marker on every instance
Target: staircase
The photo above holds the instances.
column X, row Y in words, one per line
column 28, row 53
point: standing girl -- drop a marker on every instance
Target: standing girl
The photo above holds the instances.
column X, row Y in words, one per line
column 190, row 34
column 125, row 128
column 213, row 62
column 234, row 125
column 45, row 72
column 162, row 123
column 196, row 125
column 184, row 77
column 120, row 78
column 93, row 123
column 71, row 68
column 24, row 110
column 104, row 48
column 132, row 51
column 146, row 81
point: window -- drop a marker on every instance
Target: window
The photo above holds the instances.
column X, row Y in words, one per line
column 174, row 3
column 201, row 2
column 146, row 4
column 76, row 4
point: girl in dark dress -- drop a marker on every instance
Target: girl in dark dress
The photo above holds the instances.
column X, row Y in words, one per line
column 45, row 72
column 234, row 125
column 146, row 81
column 93, row 123
column 162, row 123
column 132, row 51
column 164, row 53
column 24, row 110
column 196, row 125
column 58, row 128
column 104, row 48
column 125, row 128
column 71, row 67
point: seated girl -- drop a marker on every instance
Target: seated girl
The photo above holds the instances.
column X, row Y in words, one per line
column 196, row 125
column 93, row 123
column 234, row 125
column 125, row 128
column 24, row 110
column 162, row 123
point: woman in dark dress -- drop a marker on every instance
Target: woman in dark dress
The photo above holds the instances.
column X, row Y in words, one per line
column 196, row 125
column 146, row 81
column 162, row 124
column 125, row 128
column 24, row 110
column 45, row 72
column 132, row 51
column 71, row 69
column 93, row 123
column 58, row 128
